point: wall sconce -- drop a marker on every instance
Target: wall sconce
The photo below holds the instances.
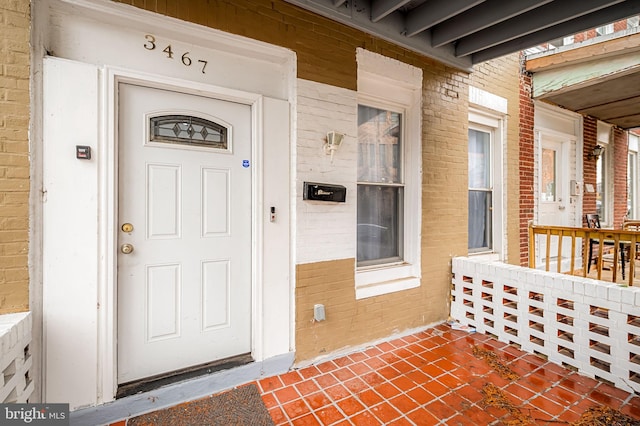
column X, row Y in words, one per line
column 595, row 153
column 334, row 140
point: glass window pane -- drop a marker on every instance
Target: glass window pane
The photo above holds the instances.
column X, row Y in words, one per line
column 379, row 223
column 189, row 130
column 601, row 186
column 379, row 143
column 479, row 159
column 631, row 185
column 548, row 190
column 480, row 230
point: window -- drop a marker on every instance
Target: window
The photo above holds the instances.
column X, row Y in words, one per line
column 601, row 187
column 633, row 211
column 380, row 186
column 604, row 30
column 480, row 192
column 388, row 175
column 632, row 179
column 486, row 223
column 187, row 130
column 604, row 183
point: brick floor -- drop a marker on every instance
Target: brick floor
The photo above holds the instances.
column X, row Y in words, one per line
column 439, row 376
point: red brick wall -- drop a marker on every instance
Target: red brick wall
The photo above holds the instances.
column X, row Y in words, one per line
column 620, row 158
column 590, row 139
column 526, row 161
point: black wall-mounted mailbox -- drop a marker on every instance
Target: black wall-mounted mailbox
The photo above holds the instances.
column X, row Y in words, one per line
column 324, row 192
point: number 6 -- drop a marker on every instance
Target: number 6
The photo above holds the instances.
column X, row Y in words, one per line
column 186, row 60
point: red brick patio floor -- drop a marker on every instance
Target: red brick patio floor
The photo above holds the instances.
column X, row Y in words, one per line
column 441, row 376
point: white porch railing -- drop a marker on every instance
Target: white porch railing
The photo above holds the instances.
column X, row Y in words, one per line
column 592, row 326
column 16, row 385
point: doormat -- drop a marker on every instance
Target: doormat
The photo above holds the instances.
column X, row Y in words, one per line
column 241, row 406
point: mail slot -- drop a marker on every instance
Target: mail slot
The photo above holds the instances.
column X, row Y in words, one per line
column 324, row 192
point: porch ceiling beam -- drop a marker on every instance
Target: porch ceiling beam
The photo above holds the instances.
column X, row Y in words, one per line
column 532, row 22
column 382, row 8
column 610, row 14
column 434, row 12
column 483, row 16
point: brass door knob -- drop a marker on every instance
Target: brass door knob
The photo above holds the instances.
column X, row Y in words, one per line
column 126, row 248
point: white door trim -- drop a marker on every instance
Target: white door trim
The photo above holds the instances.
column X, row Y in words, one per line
column 107, row 222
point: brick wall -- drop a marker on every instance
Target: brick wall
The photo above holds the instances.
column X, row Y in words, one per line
column 326, row 55
column 590, row 140
column 14, row 155
column 501, row 77
column 526, row 163
column 620, row 159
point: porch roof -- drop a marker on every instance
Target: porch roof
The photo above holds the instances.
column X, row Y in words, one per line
column 462, row 33
column 599, row 78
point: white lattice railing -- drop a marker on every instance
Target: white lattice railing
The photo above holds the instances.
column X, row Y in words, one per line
column 16, row 385
column 591, row 325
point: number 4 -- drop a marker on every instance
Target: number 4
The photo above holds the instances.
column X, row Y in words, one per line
column 168, row 51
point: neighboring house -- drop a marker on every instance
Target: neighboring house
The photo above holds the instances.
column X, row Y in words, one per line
column 585, row 94
column 168, row 147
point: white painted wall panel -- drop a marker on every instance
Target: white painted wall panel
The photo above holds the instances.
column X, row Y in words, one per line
column 325, row 231
column 70, row 230
column 277, row 307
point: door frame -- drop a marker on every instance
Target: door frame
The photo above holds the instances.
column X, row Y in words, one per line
column 108, row 220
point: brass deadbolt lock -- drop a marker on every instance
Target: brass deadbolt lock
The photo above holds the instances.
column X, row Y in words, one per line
column 127, row 227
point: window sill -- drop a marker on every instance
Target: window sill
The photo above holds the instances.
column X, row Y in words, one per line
column 489, row 257
column 386, row 287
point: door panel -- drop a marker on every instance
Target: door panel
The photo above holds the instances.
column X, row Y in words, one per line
column 184, row 291
column 554, row 200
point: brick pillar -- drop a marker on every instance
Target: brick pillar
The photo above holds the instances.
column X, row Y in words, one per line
column 620, row 159
column 590, row 140
column 526, row 162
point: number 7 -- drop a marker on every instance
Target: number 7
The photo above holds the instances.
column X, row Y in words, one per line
column 204, row 64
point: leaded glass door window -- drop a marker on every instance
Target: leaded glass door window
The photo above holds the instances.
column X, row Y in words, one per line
column 188, row 130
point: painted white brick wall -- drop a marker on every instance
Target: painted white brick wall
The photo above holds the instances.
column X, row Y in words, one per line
column 325, row 231
column 15, row 358
column 587, row 324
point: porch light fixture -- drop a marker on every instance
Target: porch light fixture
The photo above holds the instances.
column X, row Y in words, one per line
column 334, row 140
column 595, row 152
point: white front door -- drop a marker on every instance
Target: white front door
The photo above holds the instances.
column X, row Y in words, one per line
column 553, row 196
column 184, row 231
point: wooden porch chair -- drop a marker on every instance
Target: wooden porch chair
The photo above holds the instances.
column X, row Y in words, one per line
column 593, row 221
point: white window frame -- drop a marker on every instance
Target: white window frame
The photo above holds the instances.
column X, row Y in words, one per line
column 491, row 132
column 603, row 139
column 495, row 125
column 634, row 159
column 385, row 82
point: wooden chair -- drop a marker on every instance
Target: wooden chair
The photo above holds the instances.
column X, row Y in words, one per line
column 632, row 225
column 593, row 221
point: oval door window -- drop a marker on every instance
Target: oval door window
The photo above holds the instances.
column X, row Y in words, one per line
column 188, row 130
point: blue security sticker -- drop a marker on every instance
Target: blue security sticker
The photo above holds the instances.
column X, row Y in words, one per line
column 245, row 163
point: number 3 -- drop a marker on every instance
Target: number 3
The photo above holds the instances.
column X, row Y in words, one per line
column 151, row 42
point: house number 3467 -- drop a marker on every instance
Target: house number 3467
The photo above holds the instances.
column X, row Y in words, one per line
column 152, row 44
